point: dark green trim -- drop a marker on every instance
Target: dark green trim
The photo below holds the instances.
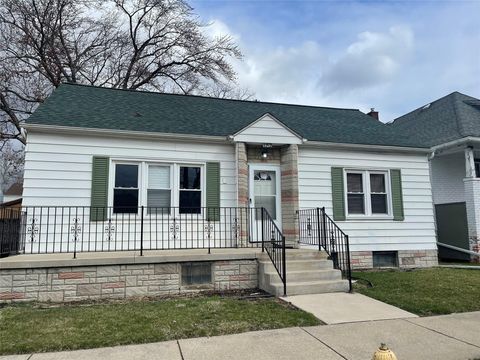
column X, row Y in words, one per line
column 397, row 194
column 338, row 195
column 99, row 196
column 212, row 197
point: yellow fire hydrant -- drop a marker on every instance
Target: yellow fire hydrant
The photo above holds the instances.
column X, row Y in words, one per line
column 384, row 353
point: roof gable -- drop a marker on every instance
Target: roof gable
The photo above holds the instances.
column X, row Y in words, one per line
column 267, row 129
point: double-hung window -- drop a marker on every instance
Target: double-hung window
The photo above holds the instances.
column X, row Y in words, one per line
column 190, row 190
column 159, row 189
column 125, row 191
column 162, row 188
column 367, row 193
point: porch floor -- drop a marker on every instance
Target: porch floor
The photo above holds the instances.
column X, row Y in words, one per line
column 127, row 257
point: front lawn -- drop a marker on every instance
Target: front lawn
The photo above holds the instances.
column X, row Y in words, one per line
column 424, row 292
column 33, row 328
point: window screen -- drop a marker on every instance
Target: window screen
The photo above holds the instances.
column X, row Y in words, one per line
column 355, row 194
column 159, row 189
column 378, row 194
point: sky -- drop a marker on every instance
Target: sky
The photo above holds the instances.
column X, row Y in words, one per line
column 394, row 56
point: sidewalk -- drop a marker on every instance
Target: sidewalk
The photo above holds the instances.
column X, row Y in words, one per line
column 449, row 337
column 349, row 307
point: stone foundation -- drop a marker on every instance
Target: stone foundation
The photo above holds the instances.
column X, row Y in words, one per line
column 66, row 284
column 406, row 259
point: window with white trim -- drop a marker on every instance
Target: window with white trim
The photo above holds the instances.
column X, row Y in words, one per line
column 367, row 192
column 157, row 186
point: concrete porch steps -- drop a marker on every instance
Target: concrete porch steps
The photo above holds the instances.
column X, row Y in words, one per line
column 308, row 272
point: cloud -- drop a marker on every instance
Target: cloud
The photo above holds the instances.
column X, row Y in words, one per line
column 374, row 59
column 391, row 56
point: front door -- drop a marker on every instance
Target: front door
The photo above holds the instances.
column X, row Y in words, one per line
column 265, row 191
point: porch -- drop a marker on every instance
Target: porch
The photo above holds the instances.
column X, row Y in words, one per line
column 67, row 254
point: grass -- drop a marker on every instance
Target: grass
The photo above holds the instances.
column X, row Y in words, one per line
column 33, row 328
column 425, row 292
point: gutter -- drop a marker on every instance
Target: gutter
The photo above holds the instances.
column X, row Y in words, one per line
column 386, row 148
column 69, row 130
column 463, row 141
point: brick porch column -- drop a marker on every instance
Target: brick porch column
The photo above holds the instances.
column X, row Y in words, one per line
column 289, row 169
column 242, row 190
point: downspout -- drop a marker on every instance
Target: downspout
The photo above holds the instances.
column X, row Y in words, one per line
column 430, row 157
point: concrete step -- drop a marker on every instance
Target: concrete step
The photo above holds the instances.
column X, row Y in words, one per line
column 298, row 265
column 297, row 254
column 309, row 287
column 326, row 274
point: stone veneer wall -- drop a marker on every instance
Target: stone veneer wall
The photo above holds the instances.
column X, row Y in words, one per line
column 406, row 259
column 65, row 284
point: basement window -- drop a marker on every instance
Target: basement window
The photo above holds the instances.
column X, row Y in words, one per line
column 382, row 259
column 196, row 273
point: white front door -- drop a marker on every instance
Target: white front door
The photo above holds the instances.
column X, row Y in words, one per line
column 265, row 191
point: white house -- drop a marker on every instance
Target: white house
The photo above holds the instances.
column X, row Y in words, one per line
column 450, row 126
column 107, row 153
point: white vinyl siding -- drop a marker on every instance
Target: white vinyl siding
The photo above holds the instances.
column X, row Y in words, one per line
column 417, row 231
column 267, row 130
column 448, row 172
column 58, row 167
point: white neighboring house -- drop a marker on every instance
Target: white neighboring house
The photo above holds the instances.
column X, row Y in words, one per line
column 95, row 147
column 450, row 126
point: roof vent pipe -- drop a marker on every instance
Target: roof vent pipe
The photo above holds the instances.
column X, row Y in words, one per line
column 373, row 114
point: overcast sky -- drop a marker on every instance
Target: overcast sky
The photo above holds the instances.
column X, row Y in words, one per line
column 392, row 55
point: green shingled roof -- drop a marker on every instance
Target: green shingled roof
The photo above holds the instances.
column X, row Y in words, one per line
column 102, row 108
column 452, row 117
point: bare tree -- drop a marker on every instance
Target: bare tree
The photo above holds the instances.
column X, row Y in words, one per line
column 131, row 44
column 11, row 166
column 228, row 91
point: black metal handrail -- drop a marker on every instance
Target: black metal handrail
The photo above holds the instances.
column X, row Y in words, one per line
column 273, row 242
column 75, row 229
column 316, row 228
column 11, row 220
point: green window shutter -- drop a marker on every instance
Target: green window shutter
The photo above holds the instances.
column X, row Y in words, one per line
column 213, row 191
column 99, row 198
column 397, row 195
column 338, row 194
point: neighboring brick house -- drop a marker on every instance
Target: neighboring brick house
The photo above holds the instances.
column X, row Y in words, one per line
column 450, row 126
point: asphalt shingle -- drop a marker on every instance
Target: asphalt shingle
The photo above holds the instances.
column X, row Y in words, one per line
column 103, row 108
column 452, row 117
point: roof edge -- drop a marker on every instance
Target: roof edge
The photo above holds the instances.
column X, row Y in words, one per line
column 368, row 147
column 124, row 133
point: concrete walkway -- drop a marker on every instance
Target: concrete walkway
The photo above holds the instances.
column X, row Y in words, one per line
column 348, row 308
column 450, row 337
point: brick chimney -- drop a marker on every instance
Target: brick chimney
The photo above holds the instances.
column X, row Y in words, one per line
column 373, row 114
